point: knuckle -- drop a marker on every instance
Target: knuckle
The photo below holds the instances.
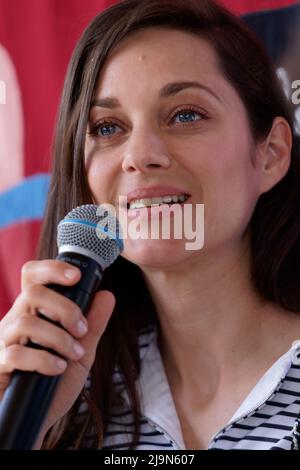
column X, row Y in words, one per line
column 20, row 306
column 27, row 268
column 24, row 322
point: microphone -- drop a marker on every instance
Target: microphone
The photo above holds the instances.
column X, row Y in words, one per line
column 88, row 238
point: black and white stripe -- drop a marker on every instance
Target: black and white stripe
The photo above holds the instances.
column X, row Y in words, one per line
column 268, row 426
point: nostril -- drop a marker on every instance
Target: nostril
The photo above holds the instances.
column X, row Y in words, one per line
column 131, row 169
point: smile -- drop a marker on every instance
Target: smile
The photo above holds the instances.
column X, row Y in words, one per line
column 156, row 201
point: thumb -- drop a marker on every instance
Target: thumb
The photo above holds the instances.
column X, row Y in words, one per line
column 98, row 317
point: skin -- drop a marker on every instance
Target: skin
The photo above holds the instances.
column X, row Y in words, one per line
column 209, row 313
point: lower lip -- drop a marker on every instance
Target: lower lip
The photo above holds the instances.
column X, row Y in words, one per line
column 153, row 212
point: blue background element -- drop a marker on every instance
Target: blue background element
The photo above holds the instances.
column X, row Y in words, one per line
column 26, row 201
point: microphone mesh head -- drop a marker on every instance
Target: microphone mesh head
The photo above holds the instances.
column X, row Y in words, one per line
column 93, row 231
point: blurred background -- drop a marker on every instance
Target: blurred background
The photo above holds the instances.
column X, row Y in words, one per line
column 36, row 41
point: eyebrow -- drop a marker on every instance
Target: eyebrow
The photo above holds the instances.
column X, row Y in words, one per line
column 110, row 103
column 170, row 89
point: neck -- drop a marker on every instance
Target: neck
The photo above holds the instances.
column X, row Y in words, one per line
column 211, row 316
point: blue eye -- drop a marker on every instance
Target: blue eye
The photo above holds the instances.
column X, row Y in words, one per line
column 187, row 116
column 107, row 129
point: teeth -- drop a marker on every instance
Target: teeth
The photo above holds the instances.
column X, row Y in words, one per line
column 156, row 201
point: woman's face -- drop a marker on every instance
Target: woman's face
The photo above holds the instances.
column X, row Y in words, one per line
column 164, row 122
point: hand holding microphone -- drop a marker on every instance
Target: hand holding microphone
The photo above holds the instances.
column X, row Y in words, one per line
column 49, row 313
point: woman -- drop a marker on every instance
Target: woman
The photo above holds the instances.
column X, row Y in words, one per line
column 172, row 98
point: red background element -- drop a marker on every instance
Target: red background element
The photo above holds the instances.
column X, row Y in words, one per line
column 249, row 6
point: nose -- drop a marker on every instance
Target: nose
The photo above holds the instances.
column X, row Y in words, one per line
column 145, row 152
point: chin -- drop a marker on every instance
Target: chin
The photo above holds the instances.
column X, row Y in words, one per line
column 155, row 253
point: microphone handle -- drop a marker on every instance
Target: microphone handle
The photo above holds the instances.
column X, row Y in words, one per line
column 29, row 394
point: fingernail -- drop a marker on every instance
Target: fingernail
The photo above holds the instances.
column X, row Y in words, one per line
column 61, row 363
column 78, row 349
column 70, row 273
column 81, row 327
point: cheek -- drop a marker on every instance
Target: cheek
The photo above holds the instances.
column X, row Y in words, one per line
column 230, row 194
column 99, row 185
column 95, row 186
column 98, row 178
column 104, row 177
column 230, row 164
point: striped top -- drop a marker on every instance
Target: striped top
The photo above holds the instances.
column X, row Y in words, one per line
column 266, row 420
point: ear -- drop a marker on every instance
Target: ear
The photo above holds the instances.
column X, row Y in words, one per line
column 275, row 154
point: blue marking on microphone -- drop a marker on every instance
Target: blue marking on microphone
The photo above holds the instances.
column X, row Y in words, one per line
column 98, row 226
column 79, row 221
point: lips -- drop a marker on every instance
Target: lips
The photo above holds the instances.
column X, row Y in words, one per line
column 155, row 191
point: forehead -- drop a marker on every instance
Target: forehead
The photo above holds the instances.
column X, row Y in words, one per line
column 156, row 56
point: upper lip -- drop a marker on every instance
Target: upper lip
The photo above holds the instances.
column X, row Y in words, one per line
column 154, row 191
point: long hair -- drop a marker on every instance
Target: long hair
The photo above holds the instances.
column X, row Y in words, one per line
column 274, row 225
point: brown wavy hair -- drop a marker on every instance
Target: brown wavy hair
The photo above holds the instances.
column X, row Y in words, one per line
column 274, row 226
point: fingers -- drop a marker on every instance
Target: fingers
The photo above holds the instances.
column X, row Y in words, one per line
column 43, row 333
column 37, row 298
column 49, row 271
column 39, row 330
column 24, row 358
column 16, row 356
column 76, row 341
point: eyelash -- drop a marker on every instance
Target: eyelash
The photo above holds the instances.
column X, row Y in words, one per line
column 186, row 109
